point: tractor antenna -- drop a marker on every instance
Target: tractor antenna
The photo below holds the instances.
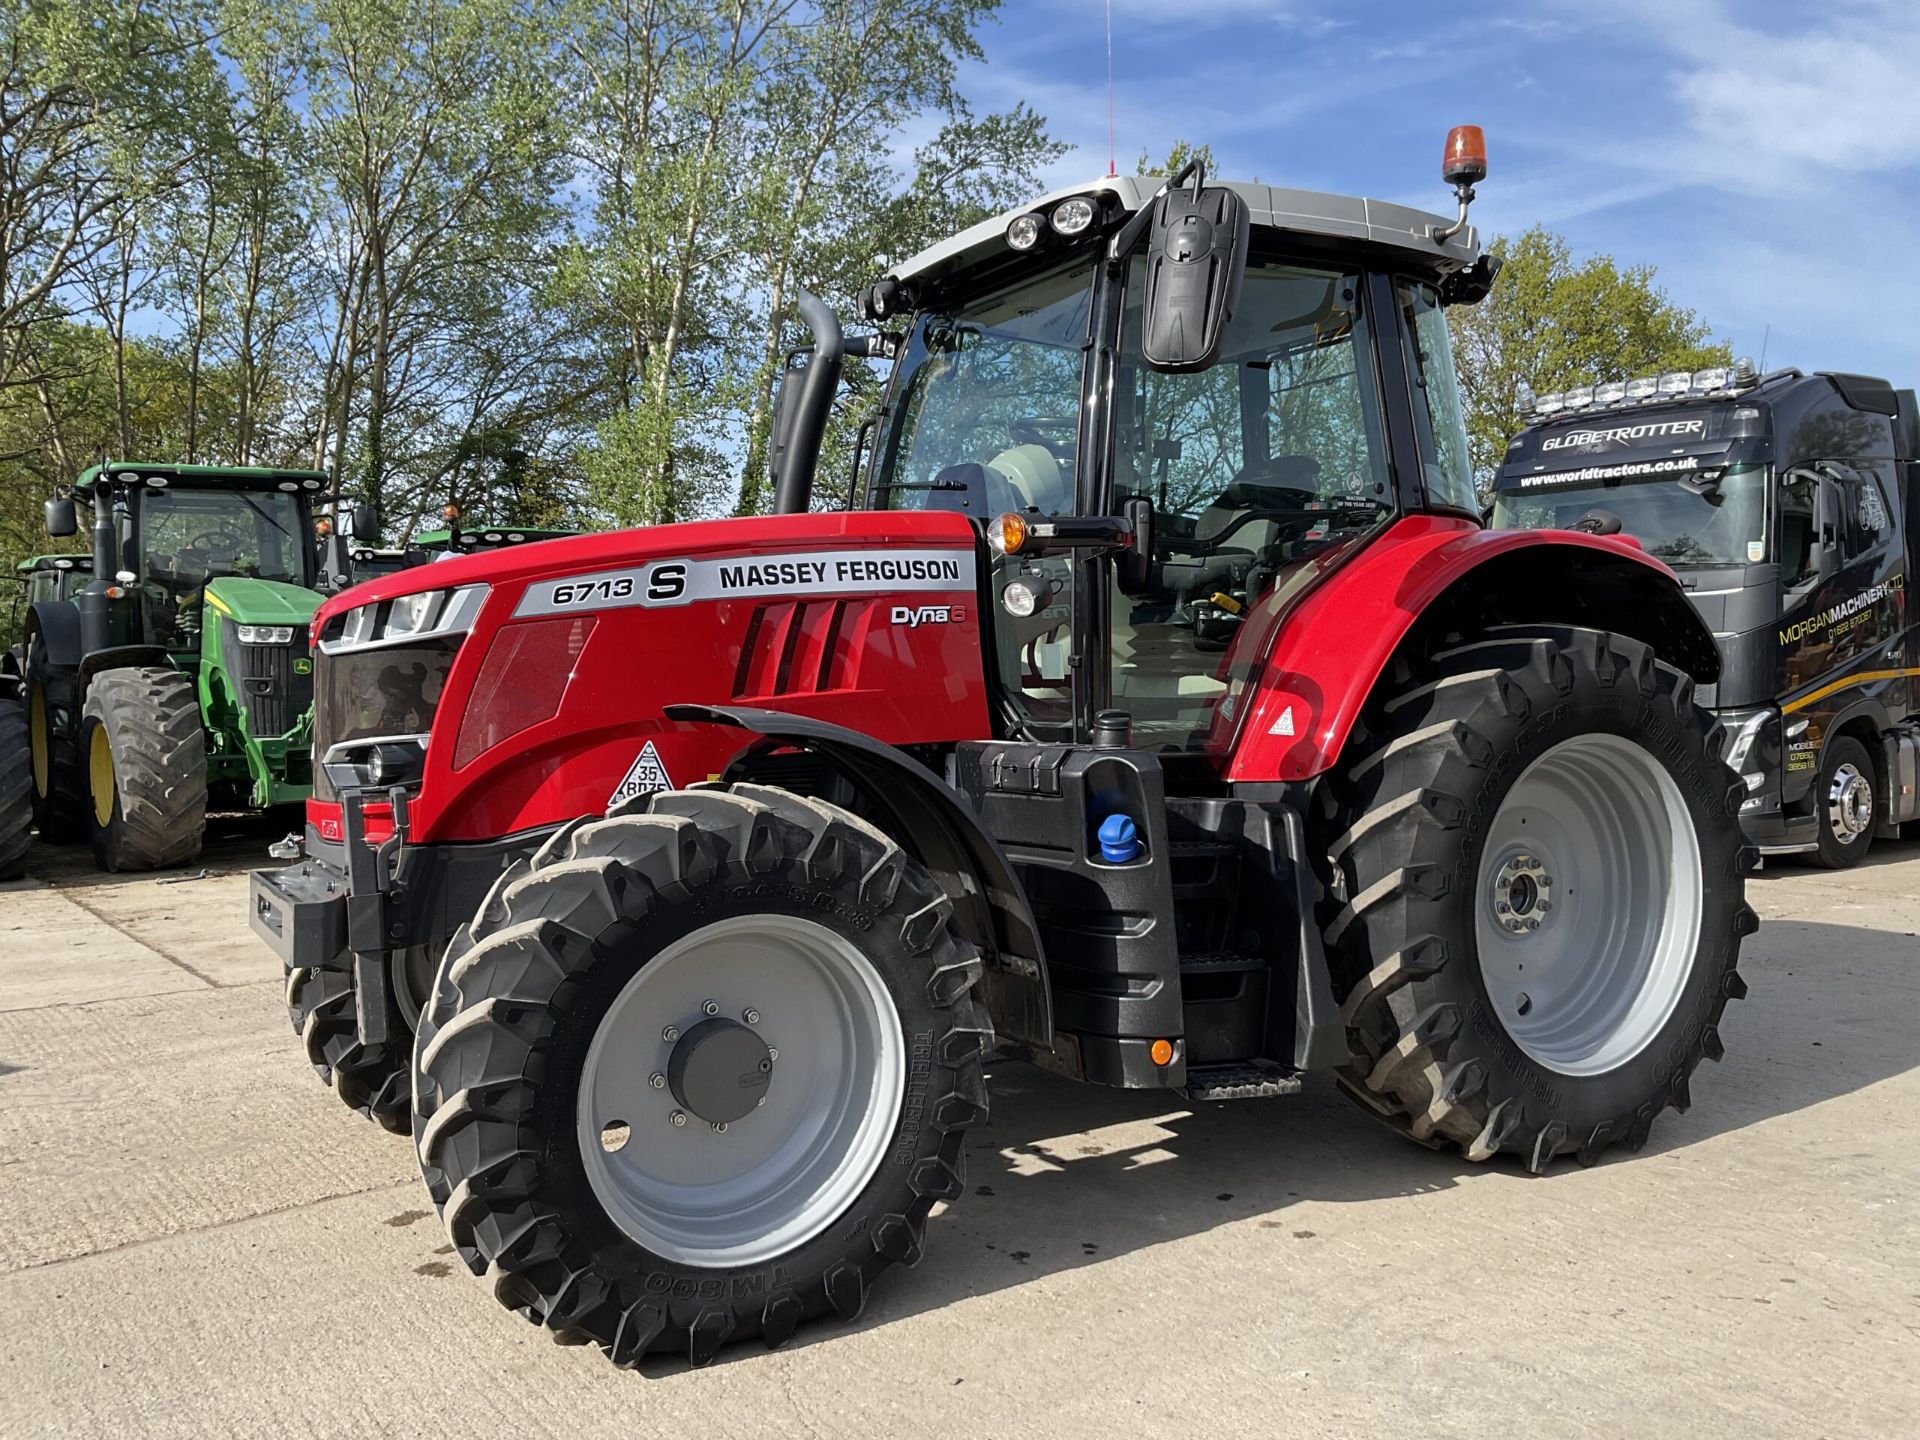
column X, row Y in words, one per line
column 1765, row 336
column 1112, row 168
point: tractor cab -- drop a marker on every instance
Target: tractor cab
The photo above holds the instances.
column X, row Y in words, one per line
column 54, row 577
column 170, row 540
column 1164, row 458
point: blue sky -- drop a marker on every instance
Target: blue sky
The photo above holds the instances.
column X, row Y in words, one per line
column 1764, row 157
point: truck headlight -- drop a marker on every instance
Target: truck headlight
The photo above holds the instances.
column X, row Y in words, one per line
column 264, row 634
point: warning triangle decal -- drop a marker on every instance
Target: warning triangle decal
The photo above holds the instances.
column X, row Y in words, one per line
column 645, row 775
column 1284, row 725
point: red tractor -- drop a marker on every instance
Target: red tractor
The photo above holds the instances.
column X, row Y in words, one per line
column 1165, row 718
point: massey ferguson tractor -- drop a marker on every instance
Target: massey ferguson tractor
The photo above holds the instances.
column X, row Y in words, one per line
column 1164, row 717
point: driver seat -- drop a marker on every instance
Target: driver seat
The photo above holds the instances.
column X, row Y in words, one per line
column 1274, row 484
column 1035, row 477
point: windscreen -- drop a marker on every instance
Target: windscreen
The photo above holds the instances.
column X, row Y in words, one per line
column 1685, row 522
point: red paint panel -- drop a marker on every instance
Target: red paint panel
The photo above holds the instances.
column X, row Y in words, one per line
column 1330, row 649
column 902, row 684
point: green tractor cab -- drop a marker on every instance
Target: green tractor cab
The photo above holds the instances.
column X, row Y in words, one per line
column 178, row 676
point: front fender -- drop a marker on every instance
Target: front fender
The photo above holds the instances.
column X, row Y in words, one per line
column 947, row 837
column 57, row 623
column 1429, row 576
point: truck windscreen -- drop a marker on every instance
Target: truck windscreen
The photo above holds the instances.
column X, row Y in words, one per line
column 1679, row 523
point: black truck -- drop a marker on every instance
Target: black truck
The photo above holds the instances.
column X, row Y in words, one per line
column 1783, row 501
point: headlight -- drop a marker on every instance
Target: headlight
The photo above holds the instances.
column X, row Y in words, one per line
column 419, row 616
column 1024, row 232
column 264, row 634
column 1070, row 217
column 1020, row 598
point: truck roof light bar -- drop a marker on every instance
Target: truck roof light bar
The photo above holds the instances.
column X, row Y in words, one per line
column 1712, row 382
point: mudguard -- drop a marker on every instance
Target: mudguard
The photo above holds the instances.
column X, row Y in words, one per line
column 1441, row 574
column 57, row 623
column 945, row 835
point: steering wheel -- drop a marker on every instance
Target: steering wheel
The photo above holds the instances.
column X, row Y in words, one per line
column 212, row 540
column 1059, row 433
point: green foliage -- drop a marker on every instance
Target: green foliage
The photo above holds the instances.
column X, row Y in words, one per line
column 1551, row 322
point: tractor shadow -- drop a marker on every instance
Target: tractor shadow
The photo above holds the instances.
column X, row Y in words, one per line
column 236, row 842
column 1064, row 1175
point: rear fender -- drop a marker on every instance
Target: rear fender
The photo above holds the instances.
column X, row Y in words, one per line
column 1426, row 578
column 123, row 657
column 932, row 821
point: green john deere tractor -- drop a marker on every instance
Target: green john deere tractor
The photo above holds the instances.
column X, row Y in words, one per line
column 178, row 676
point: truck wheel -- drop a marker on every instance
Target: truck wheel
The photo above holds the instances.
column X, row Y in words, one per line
column 699, row 1072
column 16, row 790
column 59, row 782
column 372, row 1079
column 1541, row 895
column 146, row 768
column 1844, row 796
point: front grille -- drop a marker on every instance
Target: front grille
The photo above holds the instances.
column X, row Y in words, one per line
column 270, row 687
column 381, row 690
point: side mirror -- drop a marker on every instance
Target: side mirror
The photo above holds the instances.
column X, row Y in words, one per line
column 61, row 519
column 1196, row 261
column 1136, row 561
column 362, row 523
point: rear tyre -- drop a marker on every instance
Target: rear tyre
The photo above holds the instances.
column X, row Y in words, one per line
column 692, row 954
column 16, row 790
column 1844, row 797
column 146, row 769
column 1541, row 895
column 59, row 780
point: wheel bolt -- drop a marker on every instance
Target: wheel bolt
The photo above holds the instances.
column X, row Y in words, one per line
column 1533, row 924
column 670, row 1034
column 765, row 1065
column 752, row 1017
column 657, row 1080
column 679, row 1119
column 1545, row 905
column 719, row 1127
column 709, row 1007
column 772, row 1054
column 1502, row 906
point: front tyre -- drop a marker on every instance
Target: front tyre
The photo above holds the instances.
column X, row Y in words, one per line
column 1844, row 804
column 1542, row 895
column 699, row 1072
column 146, row 766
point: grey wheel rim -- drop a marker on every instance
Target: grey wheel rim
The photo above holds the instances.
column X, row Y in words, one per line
column 1849, row 804
column 1587, row 916
column 411, row 972
column 813, row 1009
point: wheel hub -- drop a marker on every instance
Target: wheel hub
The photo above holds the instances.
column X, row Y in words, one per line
column 1521, row 892
column 1850, row 804
column 719, row 1071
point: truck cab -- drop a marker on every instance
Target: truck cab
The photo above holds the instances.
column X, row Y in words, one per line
column 1782, row 502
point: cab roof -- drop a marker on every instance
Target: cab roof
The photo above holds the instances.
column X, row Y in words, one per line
column 129, row 472
column 52, row 562
column 1302, row 212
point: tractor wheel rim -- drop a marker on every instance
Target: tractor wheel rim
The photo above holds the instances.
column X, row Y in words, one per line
column 1850, row 804
column 100, row 776
column 790, row 1000
column 411, row 972
column 1587, row 917
column 40, row 735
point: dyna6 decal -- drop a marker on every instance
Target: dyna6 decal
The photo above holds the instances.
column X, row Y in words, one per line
column 785, row 577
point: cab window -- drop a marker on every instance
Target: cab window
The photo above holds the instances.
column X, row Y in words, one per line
column 1439, row 423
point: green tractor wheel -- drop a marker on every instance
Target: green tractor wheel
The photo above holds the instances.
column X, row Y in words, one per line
column 146, row 769
column 16, row 790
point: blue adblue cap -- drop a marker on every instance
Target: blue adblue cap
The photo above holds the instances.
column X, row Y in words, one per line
column 1119, row 840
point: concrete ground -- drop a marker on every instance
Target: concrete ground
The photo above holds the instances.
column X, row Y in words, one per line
column 197, row 1239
